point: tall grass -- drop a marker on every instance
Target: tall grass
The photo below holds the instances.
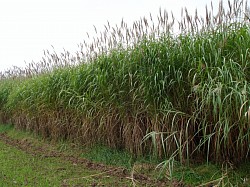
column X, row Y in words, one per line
column 145, row 89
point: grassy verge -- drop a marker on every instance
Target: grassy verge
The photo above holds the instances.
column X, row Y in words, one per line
column 24, row 168
column 19, row 168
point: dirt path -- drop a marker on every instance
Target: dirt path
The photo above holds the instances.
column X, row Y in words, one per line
column 29, row 147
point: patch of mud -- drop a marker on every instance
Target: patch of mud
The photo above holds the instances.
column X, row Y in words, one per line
column 43, row 151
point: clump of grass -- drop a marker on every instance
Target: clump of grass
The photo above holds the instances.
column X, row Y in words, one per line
column 184, row 95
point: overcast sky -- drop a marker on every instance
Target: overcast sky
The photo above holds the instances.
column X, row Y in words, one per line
column 27, row 27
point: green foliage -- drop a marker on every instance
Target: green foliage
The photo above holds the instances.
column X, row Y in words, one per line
column 185, row 95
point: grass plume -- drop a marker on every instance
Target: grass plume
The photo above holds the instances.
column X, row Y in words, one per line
column 183, row 94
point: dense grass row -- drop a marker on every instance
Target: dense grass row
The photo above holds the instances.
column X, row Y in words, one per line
column 181, row 96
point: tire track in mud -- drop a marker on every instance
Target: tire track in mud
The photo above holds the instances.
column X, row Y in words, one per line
column 42, row 151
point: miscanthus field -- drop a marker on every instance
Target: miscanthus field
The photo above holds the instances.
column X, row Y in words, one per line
column 145, row 88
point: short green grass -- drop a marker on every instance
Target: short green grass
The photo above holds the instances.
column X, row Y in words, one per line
column 21, row 169
column 204, row 174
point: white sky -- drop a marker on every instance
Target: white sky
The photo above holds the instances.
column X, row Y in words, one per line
column 27, row 27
